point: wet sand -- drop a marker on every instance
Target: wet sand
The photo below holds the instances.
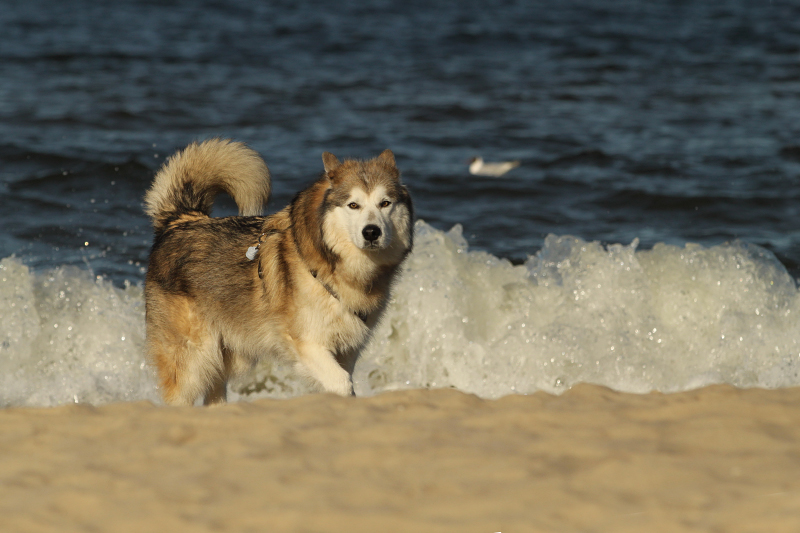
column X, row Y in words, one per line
column 714, row 459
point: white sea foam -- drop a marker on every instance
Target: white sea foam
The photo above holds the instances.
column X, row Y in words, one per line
column 66, row 337
column 668, row 319
column 665, row 319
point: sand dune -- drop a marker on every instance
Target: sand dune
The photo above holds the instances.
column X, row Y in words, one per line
column 715, row 459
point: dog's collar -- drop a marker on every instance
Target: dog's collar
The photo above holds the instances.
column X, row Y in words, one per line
column 327, row 287
column 253, row 250
column 361, row 315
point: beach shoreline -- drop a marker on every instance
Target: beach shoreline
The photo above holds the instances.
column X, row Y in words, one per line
column 592, row 459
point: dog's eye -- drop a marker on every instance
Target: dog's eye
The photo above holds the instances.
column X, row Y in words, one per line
column 353, row 205
column 386, row 203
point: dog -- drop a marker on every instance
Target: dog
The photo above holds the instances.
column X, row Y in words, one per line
column 307, row 284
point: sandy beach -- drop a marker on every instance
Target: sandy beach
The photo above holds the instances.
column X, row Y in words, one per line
column 714, row 459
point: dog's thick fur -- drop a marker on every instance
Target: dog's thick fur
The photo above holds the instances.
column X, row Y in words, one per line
column 318, row 282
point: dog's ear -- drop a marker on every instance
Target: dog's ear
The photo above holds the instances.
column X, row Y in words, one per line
column 387, row 158
column 330, row 162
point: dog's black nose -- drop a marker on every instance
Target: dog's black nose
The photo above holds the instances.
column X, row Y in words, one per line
column 371, row 233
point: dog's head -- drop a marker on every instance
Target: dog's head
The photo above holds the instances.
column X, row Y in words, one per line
column 369, row 207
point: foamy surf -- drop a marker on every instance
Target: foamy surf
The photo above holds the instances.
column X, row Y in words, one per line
column 69, row 337
column 667, row 319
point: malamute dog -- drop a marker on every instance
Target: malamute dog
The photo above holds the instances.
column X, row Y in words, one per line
column 306, row 284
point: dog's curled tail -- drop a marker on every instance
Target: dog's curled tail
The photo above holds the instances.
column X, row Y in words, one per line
column 189, row 181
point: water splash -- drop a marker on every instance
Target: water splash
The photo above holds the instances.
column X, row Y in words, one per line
column 665, row 319
column 669, row 319
column 69, row 337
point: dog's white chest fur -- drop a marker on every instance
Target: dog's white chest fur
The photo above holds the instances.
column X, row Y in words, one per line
column 331, row 322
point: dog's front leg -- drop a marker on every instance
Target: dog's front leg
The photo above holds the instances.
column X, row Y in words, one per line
column 319, row 363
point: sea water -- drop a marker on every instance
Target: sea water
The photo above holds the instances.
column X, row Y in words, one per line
column 669, row 319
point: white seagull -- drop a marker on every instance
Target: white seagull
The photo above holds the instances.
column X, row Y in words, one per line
column 478, row 167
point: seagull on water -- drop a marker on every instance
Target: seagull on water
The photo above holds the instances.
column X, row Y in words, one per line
column 478, row 167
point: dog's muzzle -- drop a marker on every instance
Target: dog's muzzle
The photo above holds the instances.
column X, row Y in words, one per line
column 371, row 233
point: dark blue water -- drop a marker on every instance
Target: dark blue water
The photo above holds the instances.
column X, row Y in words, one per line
column 670, row 121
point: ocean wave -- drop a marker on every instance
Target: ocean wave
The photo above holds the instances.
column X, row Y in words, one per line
column 668, row 319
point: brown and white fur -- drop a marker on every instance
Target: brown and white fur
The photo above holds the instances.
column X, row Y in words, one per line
column 319, row 279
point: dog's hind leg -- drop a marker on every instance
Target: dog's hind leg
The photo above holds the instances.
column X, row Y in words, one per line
column 218, row 391
column 185, row 351
column 197, row 373
column 318, row 362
